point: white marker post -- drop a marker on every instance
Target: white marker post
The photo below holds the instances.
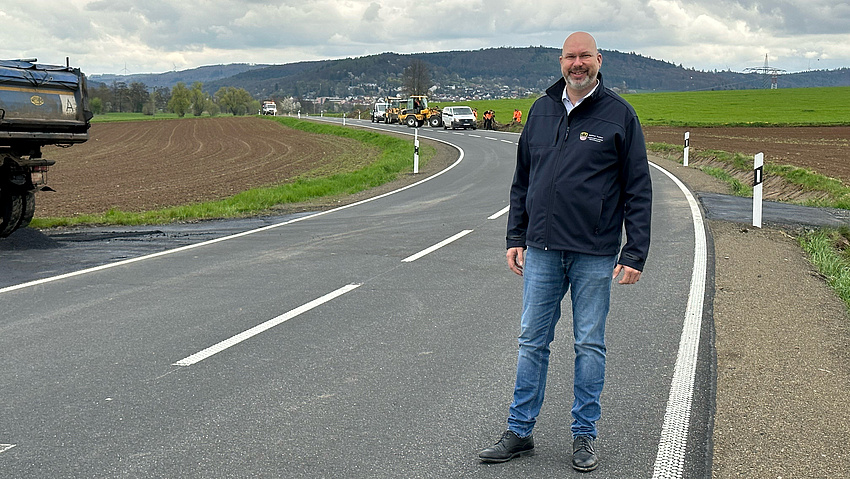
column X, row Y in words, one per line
column 416, row 151
column 343, row 119
column 758, row 178
column 687, row 146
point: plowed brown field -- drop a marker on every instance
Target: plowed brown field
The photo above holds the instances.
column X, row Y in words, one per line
column 825, row 150
column 135, row 166
column 143, row 165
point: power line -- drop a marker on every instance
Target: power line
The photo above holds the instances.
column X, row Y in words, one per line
column 767, row 70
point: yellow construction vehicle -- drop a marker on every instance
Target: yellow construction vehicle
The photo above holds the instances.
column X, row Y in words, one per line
column 418, row 113
column 393, row 109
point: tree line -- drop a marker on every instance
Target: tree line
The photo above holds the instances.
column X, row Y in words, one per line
column 182, row 100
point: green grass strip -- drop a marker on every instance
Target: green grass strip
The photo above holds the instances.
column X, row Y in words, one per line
column 395, row 158
column 829, row 253
column 837, row 194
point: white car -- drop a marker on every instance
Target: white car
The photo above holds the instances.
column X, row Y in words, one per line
column 458, row 117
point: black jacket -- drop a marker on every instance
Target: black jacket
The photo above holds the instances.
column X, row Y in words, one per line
column 580, row 179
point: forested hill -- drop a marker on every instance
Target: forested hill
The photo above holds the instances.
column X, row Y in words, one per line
column 169, row 79
column 492, row 72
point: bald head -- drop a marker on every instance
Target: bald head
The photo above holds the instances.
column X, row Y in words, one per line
column 580, row 62
column 580, row 40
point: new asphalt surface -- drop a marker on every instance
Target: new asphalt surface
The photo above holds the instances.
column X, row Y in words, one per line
column 406, row 374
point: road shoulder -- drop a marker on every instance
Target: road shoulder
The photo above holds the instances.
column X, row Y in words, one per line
column 782, row 339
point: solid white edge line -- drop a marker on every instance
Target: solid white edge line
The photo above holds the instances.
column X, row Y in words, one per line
column 499, row 213
column 234, row 340
column 437, row 246
column 670, row 459
column 244, row 233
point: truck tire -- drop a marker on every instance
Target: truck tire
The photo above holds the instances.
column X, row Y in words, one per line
column 435, row 121
column 27, row 209
column 11, row 211
column 411, row 121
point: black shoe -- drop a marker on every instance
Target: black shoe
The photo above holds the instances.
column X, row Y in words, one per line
column 508, row 447
column 584, row 456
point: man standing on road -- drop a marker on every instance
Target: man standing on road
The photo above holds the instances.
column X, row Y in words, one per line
column 581, row 176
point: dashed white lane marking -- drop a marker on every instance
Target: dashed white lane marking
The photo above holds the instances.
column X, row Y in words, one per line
column 670, row 459
column 217, row 348
column 6, row 447
column 499, row 213
column 474, row 136
column 508, row 141
column 489, row 138
column 436, row 246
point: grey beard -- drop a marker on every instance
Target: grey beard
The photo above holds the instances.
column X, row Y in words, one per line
column 580, row 85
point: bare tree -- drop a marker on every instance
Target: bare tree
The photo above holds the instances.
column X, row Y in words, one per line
column 417, row 78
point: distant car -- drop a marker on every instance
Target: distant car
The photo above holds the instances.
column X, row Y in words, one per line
column 269, row 108
column 458, row 117
column 379, row 112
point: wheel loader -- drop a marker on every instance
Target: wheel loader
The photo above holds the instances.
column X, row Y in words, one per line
column 419, row 113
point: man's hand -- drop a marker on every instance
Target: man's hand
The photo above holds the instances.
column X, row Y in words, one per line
column 516, row 259
column 630, row 275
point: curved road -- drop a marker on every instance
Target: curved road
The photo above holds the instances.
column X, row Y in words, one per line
column 376, row 340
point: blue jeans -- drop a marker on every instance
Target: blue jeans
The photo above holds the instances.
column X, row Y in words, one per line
column 548, row 275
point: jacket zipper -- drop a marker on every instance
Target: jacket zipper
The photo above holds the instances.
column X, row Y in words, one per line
column 552, row 180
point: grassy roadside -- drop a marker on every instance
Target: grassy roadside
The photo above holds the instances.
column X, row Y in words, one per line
column 829, row 251
column 834, row 194
column 827, row 248
column 394, row 159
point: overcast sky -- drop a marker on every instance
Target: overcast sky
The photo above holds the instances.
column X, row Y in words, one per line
column 152, row 36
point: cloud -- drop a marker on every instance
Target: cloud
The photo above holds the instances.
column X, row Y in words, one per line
column 372, row 13
column 102, row 36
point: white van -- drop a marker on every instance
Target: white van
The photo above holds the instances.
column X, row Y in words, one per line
column 458, row 117
column 379, row 112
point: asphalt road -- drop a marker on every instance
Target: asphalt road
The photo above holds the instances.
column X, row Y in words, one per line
column 343, row 344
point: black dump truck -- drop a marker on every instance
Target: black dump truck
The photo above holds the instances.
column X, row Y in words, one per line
column 39, row 105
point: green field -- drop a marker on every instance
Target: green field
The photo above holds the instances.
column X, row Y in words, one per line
column 109, row 117
column 781, row 107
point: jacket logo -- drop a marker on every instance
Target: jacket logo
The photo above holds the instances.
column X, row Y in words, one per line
column 588, row 136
